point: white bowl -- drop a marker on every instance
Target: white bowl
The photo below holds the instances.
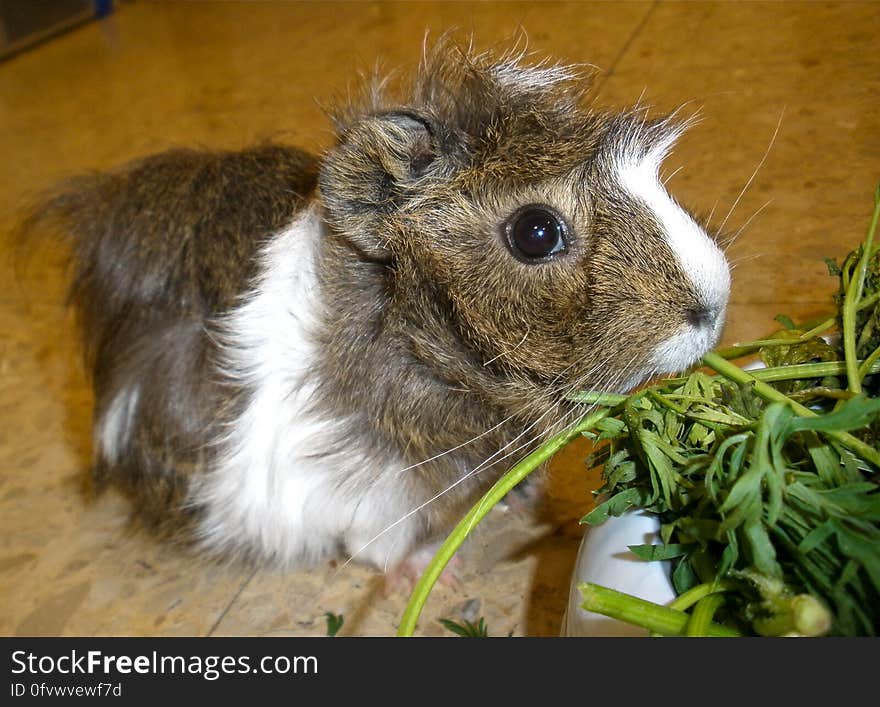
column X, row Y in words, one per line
column 604, row 559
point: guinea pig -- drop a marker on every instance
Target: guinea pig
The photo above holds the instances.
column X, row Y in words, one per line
column 298, row 356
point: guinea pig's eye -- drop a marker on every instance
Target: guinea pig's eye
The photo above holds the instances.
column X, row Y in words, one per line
column 535, row 233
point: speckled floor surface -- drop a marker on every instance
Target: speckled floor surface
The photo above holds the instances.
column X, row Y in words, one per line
column 153, row 76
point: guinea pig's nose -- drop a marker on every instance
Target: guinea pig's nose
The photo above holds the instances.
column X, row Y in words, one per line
column 702, row 317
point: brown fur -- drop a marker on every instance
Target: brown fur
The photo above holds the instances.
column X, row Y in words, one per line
column 160, row 248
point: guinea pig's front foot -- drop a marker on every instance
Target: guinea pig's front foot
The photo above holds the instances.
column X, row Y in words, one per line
column 403, row 576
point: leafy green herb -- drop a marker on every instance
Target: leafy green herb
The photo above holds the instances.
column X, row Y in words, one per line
column 467, row 629
column 658, row 552
column 334, row 623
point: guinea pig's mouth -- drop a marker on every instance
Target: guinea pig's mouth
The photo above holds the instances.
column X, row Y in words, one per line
column 685, row 348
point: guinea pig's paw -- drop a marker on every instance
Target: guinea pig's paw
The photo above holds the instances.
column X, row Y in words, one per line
column 403, row 577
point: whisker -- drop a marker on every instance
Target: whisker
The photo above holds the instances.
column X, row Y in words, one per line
column 531, row 403
column 433, row 498
column 576, row 409
column 742, row 228
column 612, row 382
column 459, row 446
column 670, row 176
column 746, row 258
column 507, row 351
column 711, row 214
column 529, row 445
column 755, row 172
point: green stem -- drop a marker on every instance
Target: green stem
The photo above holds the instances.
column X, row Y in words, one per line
column 633, row 610
column 701, row 617
column 770, row 394
column 687, row 599
column 868, row 301
column 590, row 397
column 852, row 295
column 501, row 488
column 666, row 402
column 796, row 371
column 868, row 364
column 806, row 370
column 739, row 350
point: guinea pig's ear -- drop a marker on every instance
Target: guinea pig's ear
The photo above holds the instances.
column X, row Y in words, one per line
column 369, row 172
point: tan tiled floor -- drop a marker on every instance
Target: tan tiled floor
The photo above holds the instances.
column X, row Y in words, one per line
column 153, row 76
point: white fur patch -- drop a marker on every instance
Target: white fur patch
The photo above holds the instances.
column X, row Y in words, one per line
column 275, row 491
column 699, row 256
column 114, row 427
column 684, row 348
